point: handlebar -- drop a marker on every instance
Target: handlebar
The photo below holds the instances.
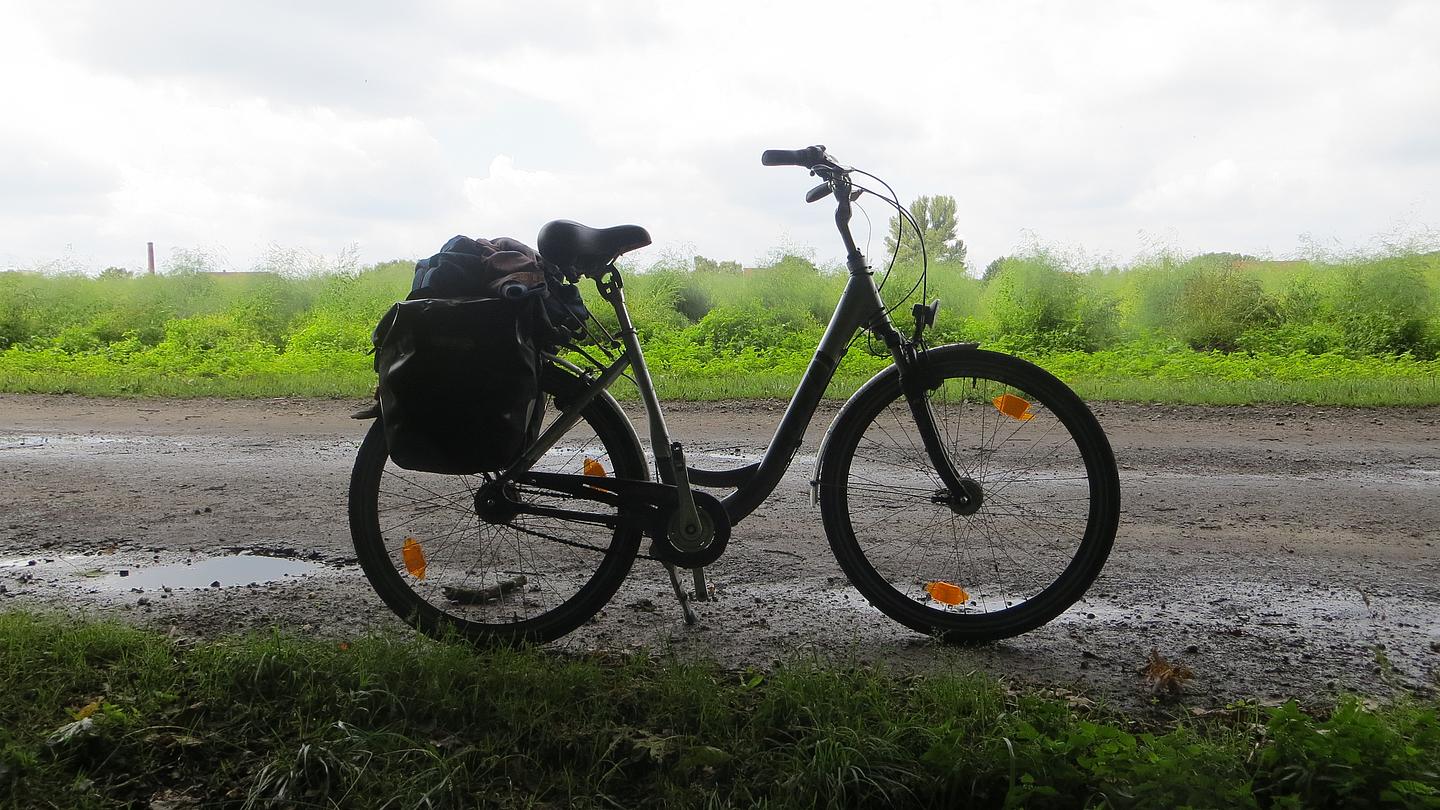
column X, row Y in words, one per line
column 837, row 183
column 806, row 158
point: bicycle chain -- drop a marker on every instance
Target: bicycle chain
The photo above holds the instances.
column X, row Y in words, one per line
column 575, row 544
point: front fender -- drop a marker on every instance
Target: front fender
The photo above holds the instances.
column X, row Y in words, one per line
column 890, row 375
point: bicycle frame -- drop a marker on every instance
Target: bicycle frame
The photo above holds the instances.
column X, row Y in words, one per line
column 860, row 307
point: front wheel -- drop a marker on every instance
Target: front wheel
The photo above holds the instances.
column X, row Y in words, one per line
column 1025, row 538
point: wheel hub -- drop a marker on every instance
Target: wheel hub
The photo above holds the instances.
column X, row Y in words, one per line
column 965, row 502
column 498, row 505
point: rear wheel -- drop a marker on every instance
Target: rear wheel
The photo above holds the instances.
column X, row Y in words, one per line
column 444, row 568
column 1038, row 516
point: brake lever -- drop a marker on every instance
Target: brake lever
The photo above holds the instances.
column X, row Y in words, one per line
column 818, row 193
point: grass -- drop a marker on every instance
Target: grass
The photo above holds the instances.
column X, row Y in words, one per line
column 1403, row 386
column 105, row 715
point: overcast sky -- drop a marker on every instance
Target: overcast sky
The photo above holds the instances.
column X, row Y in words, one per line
column 1100, row 128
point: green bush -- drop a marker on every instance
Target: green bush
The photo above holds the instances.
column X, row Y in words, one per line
column 737, row 328
column 1034, row 304
column 1383, row 307
column 1217, row 305
column 1288, row 338
column 326, row 331
column 790, row 283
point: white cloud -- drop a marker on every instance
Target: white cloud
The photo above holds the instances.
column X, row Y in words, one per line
column 1226, row 125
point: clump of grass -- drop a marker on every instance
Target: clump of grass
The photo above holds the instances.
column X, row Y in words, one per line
column 95, row 715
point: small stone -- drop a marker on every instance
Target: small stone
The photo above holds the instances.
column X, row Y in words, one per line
column 124, row 572
column 215, row 584
column 1192, row 649
column 143, row 601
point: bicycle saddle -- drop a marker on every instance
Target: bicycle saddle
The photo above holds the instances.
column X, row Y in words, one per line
column 570, row 244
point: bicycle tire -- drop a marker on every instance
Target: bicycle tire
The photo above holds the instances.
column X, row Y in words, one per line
column 541, row 587
column 900, row 569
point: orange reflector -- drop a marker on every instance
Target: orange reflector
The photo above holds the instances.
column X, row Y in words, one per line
column 947, row 594
column 414, row 558
column 594, row 469
column 1013, row 407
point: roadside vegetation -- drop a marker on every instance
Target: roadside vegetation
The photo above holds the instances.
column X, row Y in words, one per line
column 1216, row 328
column 105, row 715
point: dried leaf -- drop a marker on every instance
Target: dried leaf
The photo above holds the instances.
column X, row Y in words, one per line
column 1165, row 677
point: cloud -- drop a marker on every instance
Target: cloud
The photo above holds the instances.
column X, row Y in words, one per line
column 1230, row 125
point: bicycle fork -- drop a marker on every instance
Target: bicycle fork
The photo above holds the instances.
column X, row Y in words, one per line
column 962, row 494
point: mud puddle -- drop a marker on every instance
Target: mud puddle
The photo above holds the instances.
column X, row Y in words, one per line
column 110, row 574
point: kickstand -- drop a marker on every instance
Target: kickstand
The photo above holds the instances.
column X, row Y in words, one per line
column 701, row 592
column 680, row 593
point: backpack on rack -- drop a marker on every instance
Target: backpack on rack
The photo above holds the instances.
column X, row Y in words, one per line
column 460, row 359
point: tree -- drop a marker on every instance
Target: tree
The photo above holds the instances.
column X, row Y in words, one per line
column 936, row 217
column 993, row 268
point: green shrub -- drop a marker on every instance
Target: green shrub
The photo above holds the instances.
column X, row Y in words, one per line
column 737, row 328
column 1288, row 338
column 1383, row 307
column 1217, row 305
column 325, row 331
column 1037, row 305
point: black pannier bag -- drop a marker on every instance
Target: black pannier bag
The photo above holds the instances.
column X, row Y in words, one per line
column 459, row 382
column 459, row 360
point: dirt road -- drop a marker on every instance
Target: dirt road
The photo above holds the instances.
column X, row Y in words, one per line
column 1276, row 551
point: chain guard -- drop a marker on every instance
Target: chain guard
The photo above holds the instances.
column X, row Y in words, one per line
column 643, row 505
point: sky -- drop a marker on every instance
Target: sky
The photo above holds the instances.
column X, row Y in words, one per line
column 377, row 130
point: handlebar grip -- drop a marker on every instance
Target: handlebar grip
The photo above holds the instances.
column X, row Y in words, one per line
column 805, row 158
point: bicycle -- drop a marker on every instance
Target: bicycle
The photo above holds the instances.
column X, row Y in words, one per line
column 967, row 494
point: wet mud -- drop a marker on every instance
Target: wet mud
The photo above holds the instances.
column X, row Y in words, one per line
column 1276, row 552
